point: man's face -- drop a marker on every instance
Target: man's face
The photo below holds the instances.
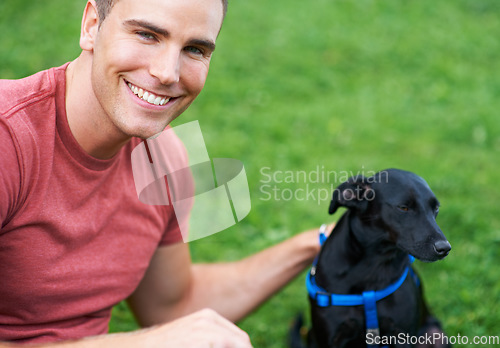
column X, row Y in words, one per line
column 150, row 60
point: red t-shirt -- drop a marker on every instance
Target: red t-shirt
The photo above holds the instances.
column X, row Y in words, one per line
column 74, row 238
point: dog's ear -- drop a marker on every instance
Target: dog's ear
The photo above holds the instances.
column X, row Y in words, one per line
column 354, row 193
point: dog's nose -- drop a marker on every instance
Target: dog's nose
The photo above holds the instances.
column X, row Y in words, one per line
column 442, row 248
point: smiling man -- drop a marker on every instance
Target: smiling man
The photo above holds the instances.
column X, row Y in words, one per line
column 74, row 238
column 142, row 67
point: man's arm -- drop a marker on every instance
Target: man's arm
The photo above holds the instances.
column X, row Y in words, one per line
column 173, row 287
column 199, row 330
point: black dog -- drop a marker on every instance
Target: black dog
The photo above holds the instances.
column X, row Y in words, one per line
column 390, row 216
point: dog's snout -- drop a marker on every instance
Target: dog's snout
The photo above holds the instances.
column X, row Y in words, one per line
column 442, row 248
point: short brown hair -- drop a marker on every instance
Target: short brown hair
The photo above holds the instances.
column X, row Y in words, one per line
column 104, row 6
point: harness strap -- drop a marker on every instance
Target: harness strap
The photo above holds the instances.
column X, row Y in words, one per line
column 325, row 299
column 368, row 298
column 371, row 318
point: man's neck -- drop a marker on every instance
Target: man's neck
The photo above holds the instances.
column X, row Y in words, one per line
column 87, row 120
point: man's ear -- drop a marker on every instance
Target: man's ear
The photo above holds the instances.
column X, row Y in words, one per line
column 90, row 26
column 353, row 194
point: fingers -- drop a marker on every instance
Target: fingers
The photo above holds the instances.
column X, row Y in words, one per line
column 225, row 326
column 327, row 228
column 203, row 329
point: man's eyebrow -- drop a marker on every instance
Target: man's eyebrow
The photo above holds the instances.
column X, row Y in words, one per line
column 208, row 44
column 147, row 25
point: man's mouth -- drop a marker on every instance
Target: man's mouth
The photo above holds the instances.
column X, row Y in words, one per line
column 148, row 96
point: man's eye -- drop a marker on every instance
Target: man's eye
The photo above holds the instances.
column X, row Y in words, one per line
column 145, row 35
column 195, row 50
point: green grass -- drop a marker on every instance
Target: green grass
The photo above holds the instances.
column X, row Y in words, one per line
column 348, row 86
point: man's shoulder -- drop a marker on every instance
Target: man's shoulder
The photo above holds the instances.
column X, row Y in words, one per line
column 15, row 97
column 16, row 94
column 21, row 93
column 27, row 117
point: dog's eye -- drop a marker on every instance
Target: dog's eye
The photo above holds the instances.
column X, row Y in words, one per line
column 436, row 210
column 403, row 208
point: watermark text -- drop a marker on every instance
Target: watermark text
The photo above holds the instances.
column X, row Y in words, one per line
column 431, row 339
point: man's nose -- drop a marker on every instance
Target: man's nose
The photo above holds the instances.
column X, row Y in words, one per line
column 166, row 66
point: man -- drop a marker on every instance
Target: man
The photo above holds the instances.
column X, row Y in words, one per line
column 74, row 239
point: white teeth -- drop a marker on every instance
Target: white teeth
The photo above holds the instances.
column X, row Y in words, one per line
column 148, row 96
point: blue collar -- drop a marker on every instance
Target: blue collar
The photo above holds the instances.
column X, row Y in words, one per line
column 368, row 298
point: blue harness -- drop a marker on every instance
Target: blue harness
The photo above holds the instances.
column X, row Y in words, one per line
column 368, row 298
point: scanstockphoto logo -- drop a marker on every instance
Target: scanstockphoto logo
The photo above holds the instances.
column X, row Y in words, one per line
column 316, row 185
column 207, row 195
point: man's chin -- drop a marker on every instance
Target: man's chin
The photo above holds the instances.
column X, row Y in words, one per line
column 145, row 127
column 147, row 133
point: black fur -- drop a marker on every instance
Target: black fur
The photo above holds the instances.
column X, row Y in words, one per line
column 390, row 215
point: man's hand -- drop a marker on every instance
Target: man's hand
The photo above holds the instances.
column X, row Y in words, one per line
column 202, row 329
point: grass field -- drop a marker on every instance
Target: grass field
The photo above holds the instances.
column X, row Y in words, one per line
column 336, row 86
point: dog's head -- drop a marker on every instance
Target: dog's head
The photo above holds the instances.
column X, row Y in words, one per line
column 399, row 207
